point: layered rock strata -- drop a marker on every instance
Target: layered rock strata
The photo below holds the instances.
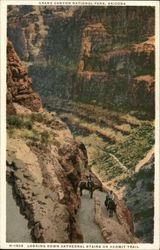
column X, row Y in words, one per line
column 100, row 54
column 19, row 83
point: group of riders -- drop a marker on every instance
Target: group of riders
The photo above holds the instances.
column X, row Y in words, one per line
column 110, row 199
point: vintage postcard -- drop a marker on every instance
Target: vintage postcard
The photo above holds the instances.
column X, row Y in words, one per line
column 80, row 98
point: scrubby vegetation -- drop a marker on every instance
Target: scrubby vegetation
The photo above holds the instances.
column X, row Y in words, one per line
column 108, row 134
column 19, row 122
column 31, row 126
column 134, row 147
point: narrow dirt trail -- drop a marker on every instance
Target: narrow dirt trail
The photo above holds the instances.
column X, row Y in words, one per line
column 144, row 160
column 17, row 225
column 85, row 217
column 120, row 164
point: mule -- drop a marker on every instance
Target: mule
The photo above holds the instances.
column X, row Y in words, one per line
column 91, row 187
column 111, row 207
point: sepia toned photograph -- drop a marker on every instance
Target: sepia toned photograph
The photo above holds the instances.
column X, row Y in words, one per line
column 81, row 125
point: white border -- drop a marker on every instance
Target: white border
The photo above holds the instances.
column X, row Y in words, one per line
column 3, row 26
column 82, row 2
column 157, row 131
column 3, row 35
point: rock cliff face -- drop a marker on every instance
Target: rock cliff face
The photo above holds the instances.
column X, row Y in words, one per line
column 139, row 198
column 46, row 192
column 44, row 162
column 19, row 84
column 102, row 54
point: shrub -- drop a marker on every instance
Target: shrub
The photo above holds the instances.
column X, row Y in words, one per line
column 36, row 135
column 44, row 137
column 30, row 134
column 20, row 121
column 39, row 117
column 10, row 132
column 15, row 121
column 29, row 124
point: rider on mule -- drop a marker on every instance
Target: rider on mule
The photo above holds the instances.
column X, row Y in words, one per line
column 89, row 178
column 110, row 203
column 109, row 197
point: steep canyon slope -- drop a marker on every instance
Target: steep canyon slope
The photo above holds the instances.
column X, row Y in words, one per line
column 44, row 162
column 103, row 54
column 45, row 165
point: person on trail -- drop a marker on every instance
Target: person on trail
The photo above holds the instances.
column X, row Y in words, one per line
column 109, row 197
column 89, row 178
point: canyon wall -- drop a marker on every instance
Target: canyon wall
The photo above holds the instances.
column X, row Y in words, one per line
column 19, row 84
column 139, row 198
column 102, row 55
column 44, row 162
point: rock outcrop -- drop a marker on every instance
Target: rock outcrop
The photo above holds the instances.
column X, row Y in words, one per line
column 19, row 84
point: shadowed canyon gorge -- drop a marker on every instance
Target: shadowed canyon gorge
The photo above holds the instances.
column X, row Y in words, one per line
column 81, row 97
